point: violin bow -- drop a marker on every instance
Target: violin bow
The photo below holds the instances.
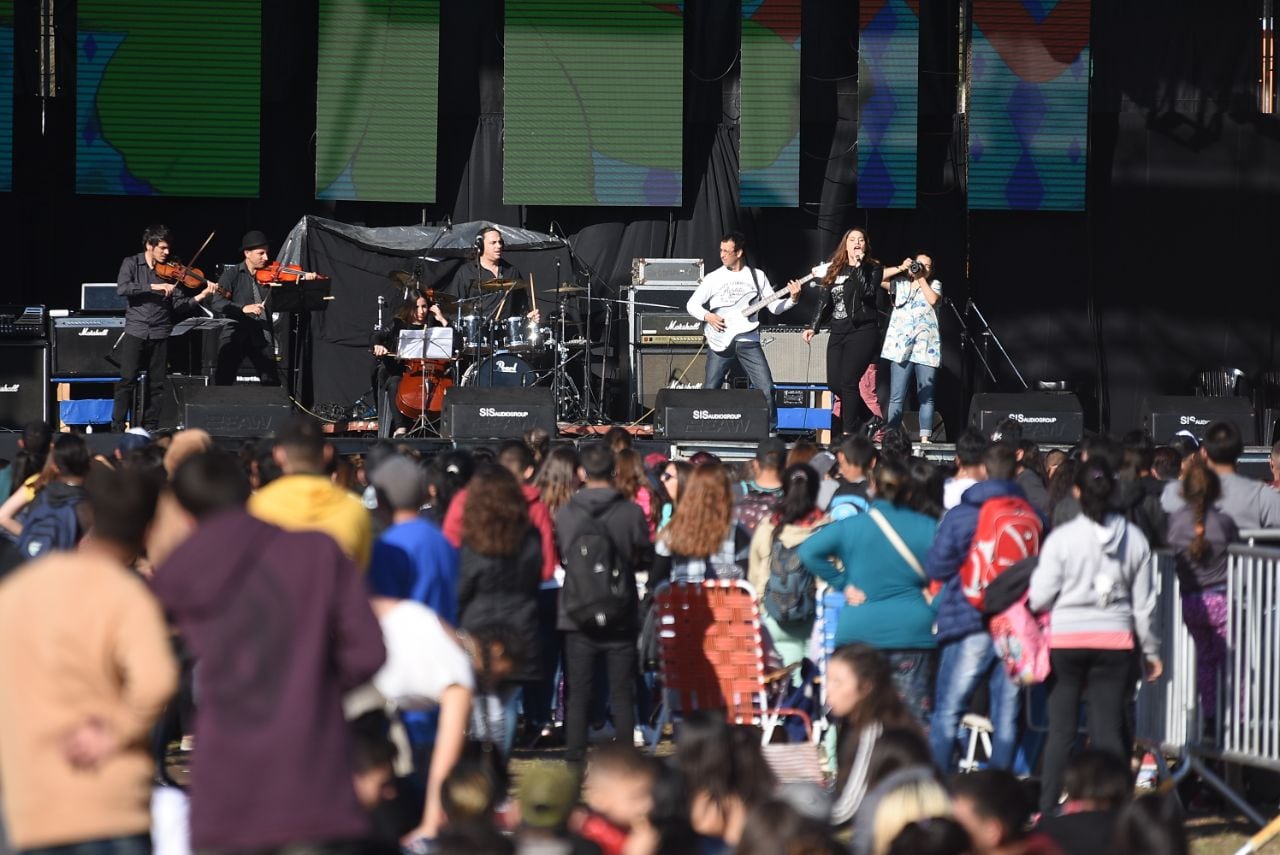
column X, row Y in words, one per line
column 192, row 263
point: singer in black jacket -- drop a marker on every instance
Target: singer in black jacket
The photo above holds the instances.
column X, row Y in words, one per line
column 856, row 304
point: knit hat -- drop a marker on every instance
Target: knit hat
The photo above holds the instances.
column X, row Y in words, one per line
column 401, row 481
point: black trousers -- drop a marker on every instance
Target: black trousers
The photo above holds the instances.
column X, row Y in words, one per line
column 135, row 354
column 247, row 339
column 1104, row 679
column 848, row 355
column 580, row 652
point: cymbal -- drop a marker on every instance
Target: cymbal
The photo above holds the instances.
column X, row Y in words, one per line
column 401, row 277
column 566, row 288
column 499, row 284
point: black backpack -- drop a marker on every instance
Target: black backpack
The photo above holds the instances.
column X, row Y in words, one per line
column 790, row 594
column 597, row 594
column 49, row 526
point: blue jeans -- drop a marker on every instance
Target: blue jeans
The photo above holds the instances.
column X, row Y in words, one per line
column 137, row 844
column 963, row 663
column 899, row 375
column 750, row 355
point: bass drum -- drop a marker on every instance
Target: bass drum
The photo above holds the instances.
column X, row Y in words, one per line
column 501, row 370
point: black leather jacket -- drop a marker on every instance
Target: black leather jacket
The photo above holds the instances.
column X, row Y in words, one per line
column 864, row 299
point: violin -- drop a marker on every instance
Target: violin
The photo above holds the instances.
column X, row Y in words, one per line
column 190, row 278
column 276, row 273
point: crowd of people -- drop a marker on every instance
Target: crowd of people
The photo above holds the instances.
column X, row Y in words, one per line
column 291, row 649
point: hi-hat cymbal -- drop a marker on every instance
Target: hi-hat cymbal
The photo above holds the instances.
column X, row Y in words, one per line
column 567, row 288
column 499, row 284
column 401, row 277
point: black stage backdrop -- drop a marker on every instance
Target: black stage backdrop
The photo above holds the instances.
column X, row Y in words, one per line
column 1170, row 271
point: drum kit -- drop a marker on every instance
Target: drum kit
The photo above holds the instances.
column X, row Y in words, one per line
column 503, row 352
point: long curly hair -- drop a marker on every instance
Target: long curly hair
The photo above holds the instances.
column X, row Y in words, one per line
column 557, row 477
column 703, row 513
column 495, row 518
column 840, row 258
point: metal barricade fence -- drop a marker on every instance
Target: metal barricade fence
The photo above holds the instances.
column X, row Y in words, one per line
column 1245, row 727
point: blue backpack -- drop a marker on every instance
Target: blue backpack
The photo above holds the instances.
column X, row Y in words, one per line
column 49, row 526
column 847, row 505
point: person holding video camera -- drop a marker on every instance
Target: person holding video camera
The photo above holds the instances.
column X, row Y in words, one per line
column 912, row 344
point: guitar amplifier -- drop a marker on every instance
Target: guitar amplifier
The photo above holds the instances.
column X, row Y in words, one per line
column 667, row 329
column 1045, row 416
column 667, row 368
column 790, row 359
column 24, row 384
column 711, row 414
column 476, row 412
column 83, row 346
column 1165, row 415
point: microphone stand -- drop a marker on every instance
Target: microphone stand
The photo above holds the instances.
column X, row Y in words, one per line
column 592, row 410
column 989, row 335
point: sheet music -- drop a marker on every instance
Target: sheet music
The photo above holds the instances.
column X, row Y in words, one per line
column 431, row 343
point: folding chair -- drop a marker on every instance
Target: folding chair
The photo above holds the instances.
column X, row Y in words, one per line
column 710, row 654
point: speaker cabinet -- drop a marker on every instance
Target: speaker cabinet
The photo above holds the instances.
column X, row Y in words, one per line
column 24, row 384
column 714, row 414
column 173, row 402
column 1165, row 415
column 476, row 412
column 793, row 361
column 83, row 346
column 667, row 368
column 1044, row 416
column 237, row 410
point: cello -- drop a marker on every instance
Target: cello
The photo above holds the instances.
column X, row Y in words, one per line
column 424, row 381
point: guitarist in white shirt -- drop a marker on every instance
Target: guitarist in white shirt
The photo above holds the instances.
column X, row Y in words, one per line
column 728, row 301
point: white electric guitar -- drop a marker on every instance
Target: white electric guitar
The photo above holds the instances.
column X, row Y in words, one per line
column 741, row 317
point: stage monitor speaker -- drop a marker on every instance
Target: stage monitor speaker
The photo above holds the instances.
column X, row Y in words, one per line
column 790, row 359
column 713, row 414
column 668, row 368
column 1165, row 415
column 237, row 410
column 24, row 384
column 1053, row 417
column 83, row 346
column 480, row 412
column 173, row 402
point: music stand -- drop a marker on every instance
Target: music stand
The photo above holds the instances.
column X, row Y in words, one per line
column 296, row 299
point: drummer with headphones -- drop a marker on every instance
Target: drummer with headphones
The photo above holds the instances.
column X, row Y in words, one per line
column 487, row 266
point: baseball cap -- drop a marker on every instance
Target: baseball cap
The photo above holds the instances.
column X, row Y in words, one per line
column 547, row 792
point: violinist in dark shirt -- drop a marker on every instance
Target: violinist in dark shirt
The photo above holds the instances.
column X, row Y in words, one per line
column 153, row 308
column 250, row 334
column 416, row 314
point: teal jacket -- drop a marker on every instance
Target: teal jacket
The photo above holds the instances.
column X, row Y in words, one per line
column 895, row 615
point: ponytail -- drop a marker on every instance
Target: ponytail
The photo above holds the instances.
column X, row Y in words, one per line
column 1096, row 482
column 1200, row 488
column 799, row 495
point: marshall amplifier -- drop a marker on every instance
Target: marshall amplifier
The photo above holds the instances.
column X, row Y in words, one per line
column 713, row 414
column 24, row 384
column 1044, row 416
column 1165, row 415
column 236, row 410
column 83, row 346
column 477, row 412
column 667, row 368
column 664, row 329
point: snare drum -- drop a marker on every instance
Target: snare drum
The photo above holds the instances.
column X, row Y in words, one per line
column 524, row 335
column 503, row 370
column 474, row 332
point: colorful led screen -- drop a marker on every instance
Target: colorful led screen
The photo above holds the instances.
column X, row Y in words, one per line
column 377, row 91
column 888, row 102
column 1029, row 105
column 594, row 95
column 769, row 127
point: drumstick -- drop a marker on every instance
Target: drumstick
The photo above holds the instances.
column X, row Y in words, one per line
column 533, row 300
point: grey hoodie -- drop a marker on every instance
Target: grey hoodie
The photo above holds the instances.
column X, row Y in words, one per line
column 1097, row 578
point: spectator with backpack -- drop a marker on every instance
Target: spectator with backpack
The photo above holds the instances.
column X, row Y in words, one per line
column 1095, row 579
column 759, row 494
column 969, row 450
column 785, row 587
column 993, row 522
column 59, row 515
column 881, row 554
column 604, row 538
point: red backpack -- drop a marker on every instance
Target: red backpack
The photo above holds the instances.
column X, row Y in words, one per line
column 1008, row 531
